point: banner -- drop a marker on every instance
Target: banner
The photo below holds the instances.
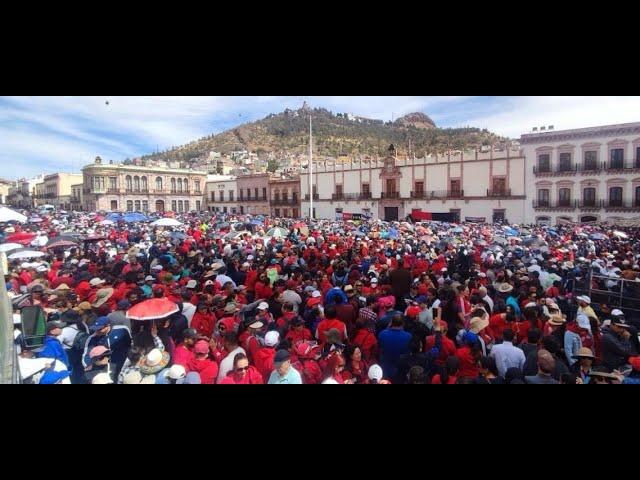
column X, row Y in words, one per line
column 475, row 219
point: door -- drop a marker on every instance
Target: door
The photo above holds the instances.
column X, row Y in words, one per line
column 114, row 205
column 160, row 206
column 390, row 214
column 498, row 216
column 455, row 187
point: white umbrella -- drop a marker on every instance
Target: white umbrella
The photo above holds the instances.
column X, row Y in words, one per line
column 7, row 215
column 620, row 234
column 25, row 254
column 6, row 247
column 166, row 222
column 35, row 220
column 107, row 222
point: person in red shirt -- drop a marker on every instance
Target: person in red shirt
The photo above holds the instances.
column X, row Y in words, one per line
column 469, row 356
column 242, row 372
column 298, row 333
column 263, row 358
column 365, row 340
column 449, row 374
column 306, row 363
column 448, row 346
column 249, row 338
column 203, row 321
column 330, row 321
column 287, row 315
column 201, row 363
column 263, row 287
column 497, row 323
column 183, row 354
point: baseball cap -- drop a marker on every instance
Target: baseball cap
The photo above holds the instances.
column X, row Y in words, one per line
column 149, row 278
column 192, row 284
column 617, row 312
column 201, row 346
column 96, row 281
column 190, row 333
column 100, row 323
column 99, row 352
column 257, row 324
column 176, row 372
column 316, row 294
column 102, row 379
column 272, row 338
column 281, row 357
column 124, row 305
column 348, row 288
column 374, row 280
column 263, row 306
column 583, row 298
column 375, row 372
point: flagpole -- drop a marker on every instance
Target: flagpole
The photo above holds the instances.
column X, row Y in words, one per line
column 310, row 169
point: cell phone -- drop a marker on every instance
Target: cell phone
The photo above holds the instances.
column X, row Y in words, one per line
column 434, row 312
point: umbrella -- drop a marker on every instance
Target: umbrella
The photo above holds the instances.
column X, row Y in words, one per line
column 533, row 241
column 553, row 233
column 510, row 232
column 277, row 232
column 107, row 222
column 481, row 243
column 257, row 222
column 152, row 309
column 598, row 236
column 457, row 230
column 221, row 225
column 25, row 254
column 8, row 215
column 178, row 235
column 134, row 217
column 35, row 220
column 59, row 242
column 620, row 234
column 98, row 218
column 304, row 229
column 94, row 238
column 500, row 240
column 166, row 222
column 6, row 247
column 23, row 238
column 358, row 233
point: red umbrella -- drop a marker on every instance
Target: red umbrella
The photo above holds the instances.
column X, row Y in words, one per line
column 61, row 243
column 24, row 238
column 152, row 309
column 98, row 218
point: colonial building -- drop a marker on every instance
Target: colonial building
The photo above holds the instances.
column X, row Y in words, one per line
column 583, row 175
column 118, row 187
column 76, row 196
column 253, row 194
column 285, row 197
column 471, row 185
column 221, row 194
column 56, row 190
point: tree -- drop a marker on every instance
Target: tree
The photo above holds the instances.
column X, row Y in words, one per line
column 272, row 166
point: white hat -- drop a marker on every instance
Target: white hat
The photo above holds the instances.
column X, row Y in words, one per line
column 154, row 357
column 208, row 282
column 148, row 277
column 530, row 304
column 176, row 372
column 132, row 378
column 157, row 267
column 250, row 257
column 74, row 261
column 101, row 379
column 375, row 372
column 41, row 269
column 272, row 338
column 316, row 294
column 25, row 265
column 246, row 264
column 584, row 298
column 96, row 281
column 374, row 280
column 263, row 306
column 192, row 284
column 617, row 312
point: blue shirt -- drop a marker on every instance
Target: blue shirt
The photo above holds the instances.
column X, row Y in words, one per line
column 392, row 344
column 292, row 377
column 507, row 356
column 53, row 349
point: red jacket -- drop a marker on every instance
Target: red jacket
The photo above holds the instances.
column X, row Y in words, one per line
column 448, row 348
column 183, row 356
column 328, row 324
column 468, row 364
column 309, row 370
column 263, row 361
column 208, row 370
column 234, row 378
column 250, row 281
column 367, row 342
column 295, row 336
column 204, row 323
column 83, row 289
column 250, row 344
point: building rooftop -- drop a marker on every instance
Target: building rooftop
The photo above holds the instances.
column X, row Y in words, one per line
column 603, row 130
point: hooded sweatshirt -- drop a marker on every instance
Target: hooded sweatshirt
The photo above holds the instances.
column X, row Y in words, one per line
column 208, row 369
column 263, row 361
column 252, row 377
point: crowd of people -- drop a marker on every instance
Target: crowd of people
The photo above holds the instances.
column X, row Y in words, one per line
column 326, row 302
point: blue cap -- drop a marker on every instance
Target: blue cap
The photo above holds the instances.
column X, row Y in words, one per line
column 100, row 324
column 470, row 338
column 421, row 299
column 124, row 304
column 273, row 261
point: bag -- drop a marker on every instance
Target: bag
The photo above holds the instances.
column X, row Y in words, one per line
column 79, row 341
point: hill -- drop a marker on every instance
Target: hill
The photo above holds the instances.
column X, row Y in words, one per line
column 334, row 135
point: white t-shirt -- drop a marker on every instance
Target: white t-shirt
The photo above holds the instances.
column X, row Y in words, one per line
column 188, row 310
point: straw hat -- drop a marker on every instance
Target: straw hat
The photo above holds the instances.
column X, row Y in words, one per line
column 584, row 352
column 556, row 320
column 477, row 324
column 155, row 361
column 505, row 288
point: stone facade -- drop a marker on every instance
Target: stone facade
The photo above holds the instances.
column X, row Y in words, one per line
column 253, row 194
column 118, row 187
column 284, row 198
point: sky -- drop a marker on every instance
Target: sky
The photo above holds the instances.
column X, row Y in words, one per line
column 64, row 133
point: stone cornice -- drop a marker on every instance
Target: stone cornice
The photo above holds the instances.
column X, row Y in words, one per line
column 608, row 131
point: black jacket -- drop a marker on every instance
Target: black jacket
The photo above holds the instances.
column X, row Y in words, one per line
column 615, row 350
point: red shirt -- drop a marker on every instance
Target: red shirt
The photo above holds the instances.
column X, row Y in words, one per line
column 448, row 348
column 204, row 323
column 251, row 377
column 328, row 324
column 468, row 364
column 296, row 336
column 436, row 380
column 497, row 324
column 367, row 342
column 208, row 370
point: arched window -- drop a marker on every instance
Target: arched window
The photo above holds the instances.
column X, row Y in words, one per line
column 136, row 183
column 615, row 196
column 285, row 195
column 158, row 183
column 589, row 197
column 129, row 205
column 138, row 206
column 197, row 184
column 180, row 185
column 180, row 206
column 173, row 185
column 185, row 183
column 564, row 197
column 128, row 184
column 145, row 186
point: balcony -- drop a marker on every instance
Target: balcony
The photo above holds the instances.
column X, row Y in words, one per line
column 619, row 166
column 113, row 190
column 390, row 195
column 447, row 194
column 364, row 196
column 541, row 170
column 622, row 205
column 499, row 192
column 558, row 204
column 284, row 201
column 315, row 197
column 254, row 199
column 590, row 168
column 590, row 204
column 133, row 191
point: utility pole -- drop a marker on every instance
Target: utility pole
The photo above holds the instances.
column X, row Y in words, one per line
column 310, row 167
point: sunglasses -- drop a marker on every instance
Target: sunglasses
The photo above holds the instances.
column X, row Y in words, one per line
column 242, row 369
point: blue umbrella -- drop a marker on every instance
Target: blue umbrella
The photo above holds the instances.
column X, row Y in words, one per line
column 178, row 235
column 598, row 236
column 394, row 234
column 114, row 217
column 510, row 232
column 257, row 222
column 457, row 230
column 553, row 233
column 134, row 217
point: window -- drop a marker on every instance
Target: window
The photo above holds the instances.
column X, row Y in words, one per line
column 98, row 184
column 294, row 213
column 113, row 183
column 145, row 205
column 419, row 188
column 544, row 163
column 241, row 209
column 455, row 187
column 197, row 186
column 285, row 196
column 136, row 183
column 543, row 197
column 128, row 183
column 221, row 195
column 277, row 212
column 315, row 191
column 114, row 205
column 129, row 206
column 158, row 183
column 138, row 206
column 615, row 196
column 224, row 209
column 180, row 185
column 637, row 157
column 213, row 196
column 264, row 193
column 256, row 192
column 285, row 212
column 173, row 185
column 637, row 199
column 185, row 184
column 186, row 206
column 339, row 191
column 617, row 158
column 180, row 205
column 174, row 206
column 565, row 162
column 590, row 160
column 499, row 216
column 564, row 197
column 198, row 205
column 589, row 197
column 234, row 210
column 248, row 194
column 145, row 186
column 499, row 186
column 276, row 194
column 231, row 195
column 294, row 196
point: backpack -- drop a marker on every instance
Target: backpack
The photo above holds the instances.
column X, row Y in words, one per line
column 79, row 341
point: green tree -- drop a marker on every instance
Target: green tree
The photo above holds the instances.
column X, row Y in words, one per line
column 272, row 166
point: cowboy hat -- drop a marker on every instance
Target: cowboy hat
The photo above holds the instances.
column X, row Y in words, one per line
column 155, row 361
column 103, row 295
column 556, row 320
column 584, row 352
column 602, row 373
column 477, row 324
column 505, row 288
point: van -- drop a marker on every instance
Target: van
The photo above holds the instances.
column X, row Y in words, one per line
column 46, row 209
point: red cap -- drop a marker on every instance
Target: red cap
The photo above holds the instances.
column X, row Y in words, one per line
column 635, row 363
column 201, row 347
column 413, row 311
column 291, row 284
column 304, row 349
